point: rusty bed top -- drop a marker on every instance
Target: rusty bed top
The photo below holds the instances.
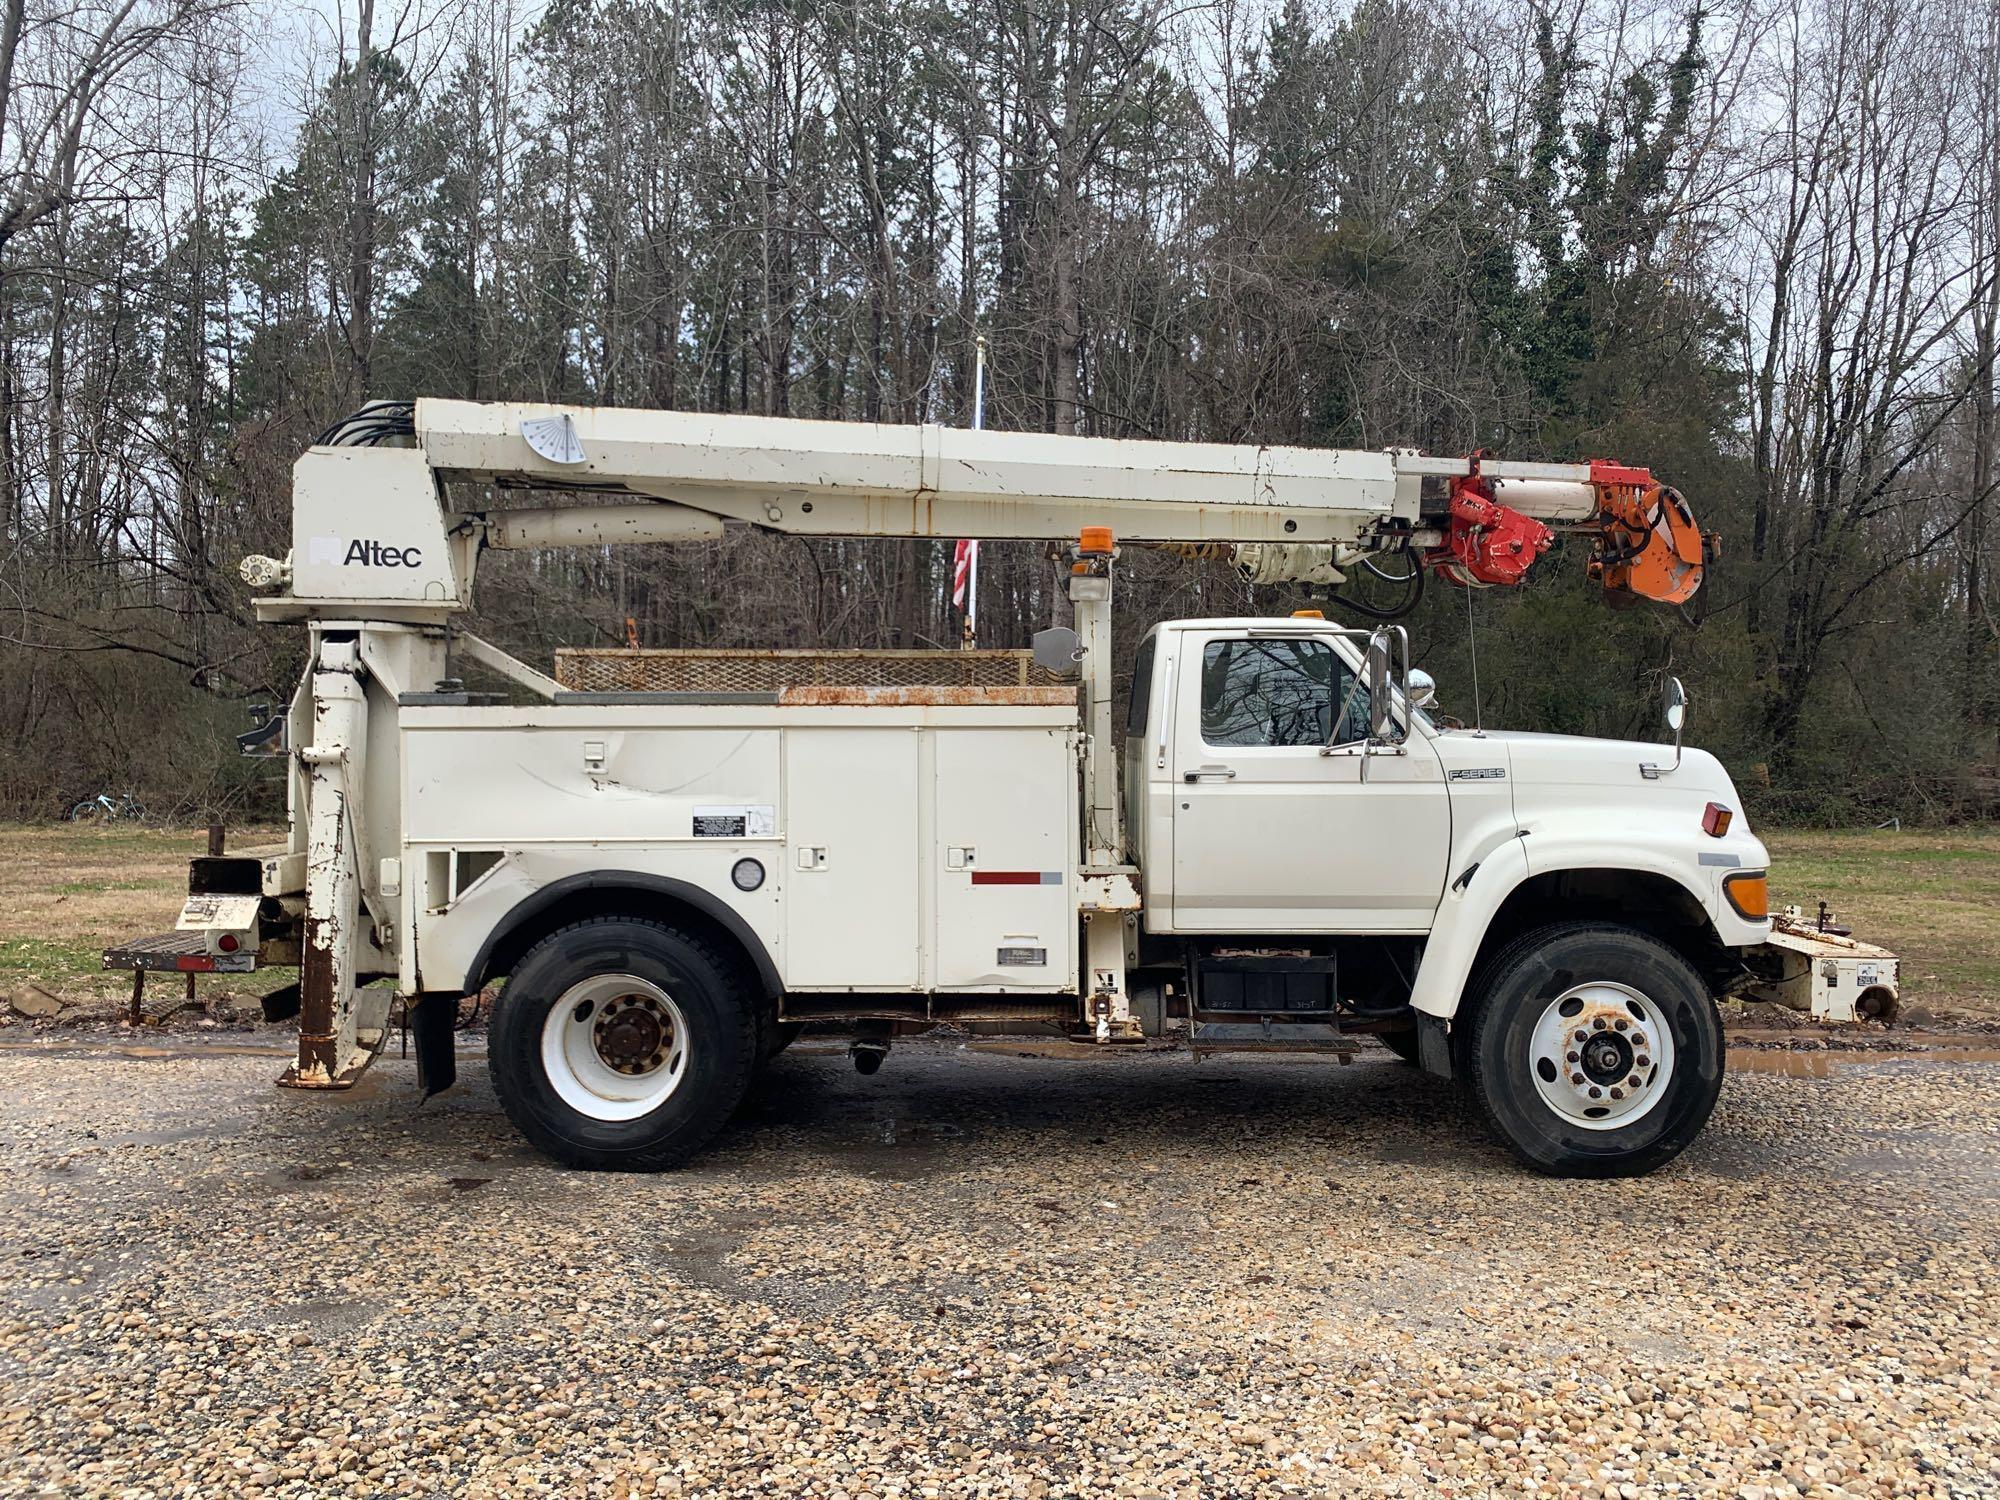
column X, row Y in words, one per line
column 814, row 677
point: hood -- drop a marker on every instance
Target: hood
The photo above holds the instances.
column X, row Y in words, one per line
column 1574, row 760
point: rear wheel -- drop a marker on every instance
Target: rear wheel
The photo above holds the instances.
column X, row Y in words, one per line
column 622, row 1043
column 1596, row 1050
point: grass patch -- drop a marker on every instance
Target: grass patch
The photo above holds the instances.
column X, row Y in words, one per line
column 1933, row 896
column 96, row 887
column 51, row 961
column 69, row 891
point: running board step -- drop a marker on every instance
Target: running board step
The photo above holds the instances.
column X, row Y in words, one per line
column 1268, row 1034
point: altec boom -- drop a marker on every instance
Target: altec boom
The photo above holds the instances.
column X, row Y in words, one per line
column 1281, row 514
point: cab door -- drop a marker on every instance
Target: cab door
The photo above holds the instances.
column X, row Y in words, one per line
column 1284, row 820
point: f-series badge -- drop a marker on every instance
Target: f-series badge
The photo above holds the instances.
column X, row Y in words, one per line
column 362, row 552
column 1478, row 773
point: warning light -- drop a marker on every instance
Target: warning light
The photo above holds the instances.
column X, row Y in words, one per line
column 228, row 942
column 1749, row 891
column 1095, row 541
column 1308, row 614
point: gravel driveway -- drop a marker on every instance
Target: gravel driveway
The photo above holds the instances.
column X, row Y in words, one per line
column 981, row 1273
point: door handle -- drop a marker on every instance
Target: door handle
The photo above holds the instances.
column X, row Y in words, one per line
column 1204, row 773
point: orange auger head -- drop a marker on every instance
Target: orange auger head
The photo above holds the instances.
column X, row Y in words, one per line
column 1647, row 541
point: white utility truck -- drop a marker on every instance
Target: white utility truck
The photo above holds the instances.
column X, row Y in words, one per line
column 673, row 859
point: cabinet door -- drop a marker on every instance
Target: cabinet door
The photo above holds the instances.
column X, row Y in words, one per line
column 1006, row 851
column 852, row 859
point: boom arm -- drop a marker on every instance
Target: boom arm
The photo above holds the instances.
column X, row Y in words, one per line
column 364, row 495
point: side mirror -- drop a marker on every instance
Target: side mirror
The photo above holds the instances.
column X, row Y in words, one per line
column 1674, row 699
column 1422, row 687
column 1381, row 722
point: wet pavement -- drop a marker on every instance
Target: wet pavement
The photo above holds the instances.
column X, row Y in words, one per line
column 982, row 1272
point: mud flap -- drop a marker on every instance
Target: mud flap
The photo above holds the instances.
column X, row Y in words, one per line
column 1433, row 1045
column 433, row 1022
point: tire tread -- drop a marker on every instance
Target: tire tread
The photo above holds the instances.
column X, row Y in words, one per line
column 686, row 1143
column 1480, row 1084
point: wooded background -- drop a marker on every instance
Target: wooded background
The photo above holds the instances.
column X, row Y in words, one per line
column 1749, row 243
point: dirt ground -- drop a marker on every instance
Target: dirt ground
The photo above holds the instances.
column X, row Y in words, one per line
column 993, row 1269
column 978, row 1273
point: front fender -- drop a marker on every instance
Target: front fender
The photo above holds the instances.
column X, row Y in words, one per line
column 1460, row 926
column 1465, row 916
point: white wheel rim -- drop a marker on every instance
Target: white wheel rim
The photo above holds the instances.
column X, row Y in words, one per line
column 1601, row 1055
column 614, row 1046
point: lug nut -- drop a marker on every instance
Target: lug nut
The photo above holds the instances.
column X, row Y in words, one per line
column 1598, row 1024
column 1618, row 1093
column 1583, row 1036
column 1645, row 1061
column 1571, row 1057
column 1595, row 1092
column 1623, row 1024
column 1577, row 1079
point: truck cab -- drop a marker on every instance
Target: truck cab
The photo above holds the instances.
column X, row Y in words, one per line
column 1264, row 796
column 1321, row 854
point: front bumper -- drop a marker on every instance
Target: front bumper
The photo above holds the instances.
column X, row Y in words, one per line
column 1826, row 975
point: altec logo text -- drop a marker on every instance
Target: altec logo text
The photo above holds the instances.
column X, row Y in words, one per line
column 362, row 552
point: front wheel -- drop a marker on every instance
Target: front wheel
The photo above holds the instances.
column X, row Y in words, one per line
column 622, row 1043
column 1596, row 1051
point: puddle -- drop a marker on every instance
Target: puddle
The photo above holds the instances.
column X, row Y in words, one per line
column 1821, row 1062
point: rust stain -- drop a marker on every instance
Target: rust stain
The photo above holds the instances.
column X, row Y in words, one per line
column 930, row 696
column 316, row 970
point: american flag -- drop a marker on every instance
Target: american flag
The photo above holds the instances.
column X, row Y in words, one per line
column 963, row 560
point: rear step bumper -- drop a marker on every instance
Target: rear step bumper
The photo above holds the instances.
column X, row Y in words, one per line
column 176, row 953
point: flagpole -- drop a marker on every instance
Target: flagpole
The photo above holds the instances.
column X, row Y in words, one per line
column 978, row 423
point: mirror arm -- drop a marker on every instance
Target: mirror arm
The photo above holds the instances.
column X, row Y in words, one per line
column 1653, row 773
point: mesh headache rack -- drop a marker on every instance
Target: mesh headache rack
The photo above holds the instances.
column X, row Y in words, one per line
column 806, row 677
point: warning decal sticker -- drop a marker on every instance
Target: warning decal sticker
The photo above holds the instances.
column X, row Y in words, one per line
column 750, row 820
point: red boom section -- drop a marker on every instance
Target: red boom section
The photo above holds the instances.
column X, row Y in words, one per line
column 1486, row 543
column 1645, row 540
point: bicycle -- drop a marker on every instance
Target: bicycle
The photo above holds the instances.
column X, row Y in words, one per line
column 106, row 808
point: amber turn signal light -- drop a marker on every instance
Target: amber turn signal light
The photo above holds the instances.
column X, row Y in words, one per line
column 1749, row 891
column 1715, row 820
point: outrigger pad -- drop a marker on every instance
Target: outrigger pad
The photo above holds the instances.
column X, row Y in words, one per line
column 433, row 1023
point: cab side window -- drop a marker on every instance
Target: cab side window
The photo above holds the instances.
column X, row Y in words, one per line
column 1273, row 692
column 1142, row 689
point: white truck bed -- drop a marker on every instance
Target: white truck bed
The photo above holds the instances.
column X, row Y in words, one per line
column 904, row 846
